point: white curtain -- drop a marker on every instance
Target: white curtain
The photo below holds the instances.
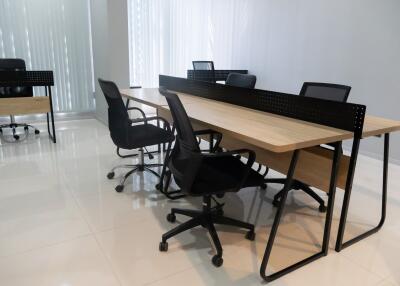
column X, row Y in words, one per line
column 52, row 35
column 167, row 35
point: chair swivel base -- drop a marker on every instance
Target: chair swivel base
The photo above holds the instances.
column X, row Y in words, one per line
column 206, row 218
column 13, row 126
column 135, row 168
column 297, row 185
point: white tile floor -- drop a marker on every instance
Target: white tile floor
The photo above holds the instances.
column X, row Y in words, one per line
column 62, row 223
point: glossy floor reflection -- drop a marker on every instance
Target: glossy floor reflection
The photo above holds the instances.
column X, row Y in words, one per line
column 62, row 223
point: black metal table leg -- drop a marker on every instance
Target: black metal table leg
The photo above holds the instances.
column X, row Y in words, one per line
column 163, row 186
column 158, row 125
column 164, row 145
column 211, row 143
column 52, row 136
column 342, row 225
column 328, row 222
column 160, row 185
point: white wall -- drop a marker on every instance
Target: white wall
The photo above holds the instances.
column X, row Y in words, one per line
column 353, row 42
column 287, row 42
column 109, row 20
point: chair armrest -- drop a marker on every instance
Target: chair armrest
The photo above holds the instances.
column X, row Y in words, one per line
column 140, row 111
column 157, row 118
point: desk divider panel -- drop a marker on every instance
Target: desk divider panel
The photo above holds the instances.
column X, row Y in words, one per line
column 207, row 75
column 346, row 116
column 26, row 78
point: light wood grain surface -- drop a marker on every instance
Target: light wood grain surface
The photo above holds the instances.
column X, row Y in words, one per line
column 148, row 96
column 272, row 137
column 374, row 126
column 152, row 97
column 24, row 105
column 265, row 130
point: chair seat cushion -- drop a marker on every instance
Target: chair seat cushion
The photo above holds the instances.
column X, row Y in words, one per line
column 146, row 135
column 222, row 174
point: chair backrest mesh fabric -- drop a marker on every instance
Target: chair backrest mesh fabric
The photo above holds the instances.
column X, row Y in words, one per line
column 326, row 91
column 19, row 91
column 241, row 80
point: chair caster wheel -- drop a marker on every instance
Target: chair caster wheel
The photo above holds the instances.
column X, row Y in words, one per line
column 322, row 208
column 171, row 218
column 110, row 175
column 276, row 203
column 251, row 235
column 263, row 186
column 217, row 260
column 16, row 137
column 119, row 188
column 26, row 128
column 37, row 132
column 163, row 247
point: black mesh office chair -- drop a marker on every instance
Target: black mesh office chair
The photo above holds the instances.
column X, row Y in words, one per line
column 241, row 80
column 328, row 91
column 204, row 66
column 126, row 135
column 205, row 175
column 10, row 92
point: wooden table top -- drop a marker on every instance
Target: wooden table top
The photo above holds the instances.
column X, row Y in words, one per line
column 147, row 96
column 270, row 131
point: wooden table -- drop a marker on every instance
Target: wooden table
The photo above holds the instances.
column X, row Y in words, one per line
column 276, row 141
column 271, row 136
column 29, row 105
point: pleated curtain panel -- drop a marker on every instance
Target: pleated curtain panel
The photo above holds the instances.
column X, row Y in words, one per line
column 167, row 35
column 52, row 35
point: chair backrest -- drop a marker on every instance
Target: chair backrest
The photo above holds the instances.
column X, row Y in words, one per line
column 241, row 80
column 328, row 91
column 204, row 66
column 20, row 91
column 186, row 157
column 118, row 117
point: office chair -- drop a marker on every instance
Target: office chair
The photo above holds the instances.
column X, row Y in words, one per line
column 327, row 91
column 205, row 175
column 126, row 135
column 204, row 66
column 11, row 92
column 241, row 80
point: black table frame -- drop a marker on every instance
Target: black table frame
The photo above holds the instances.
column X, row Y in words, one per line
column 340, row 245
column 33, row 79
